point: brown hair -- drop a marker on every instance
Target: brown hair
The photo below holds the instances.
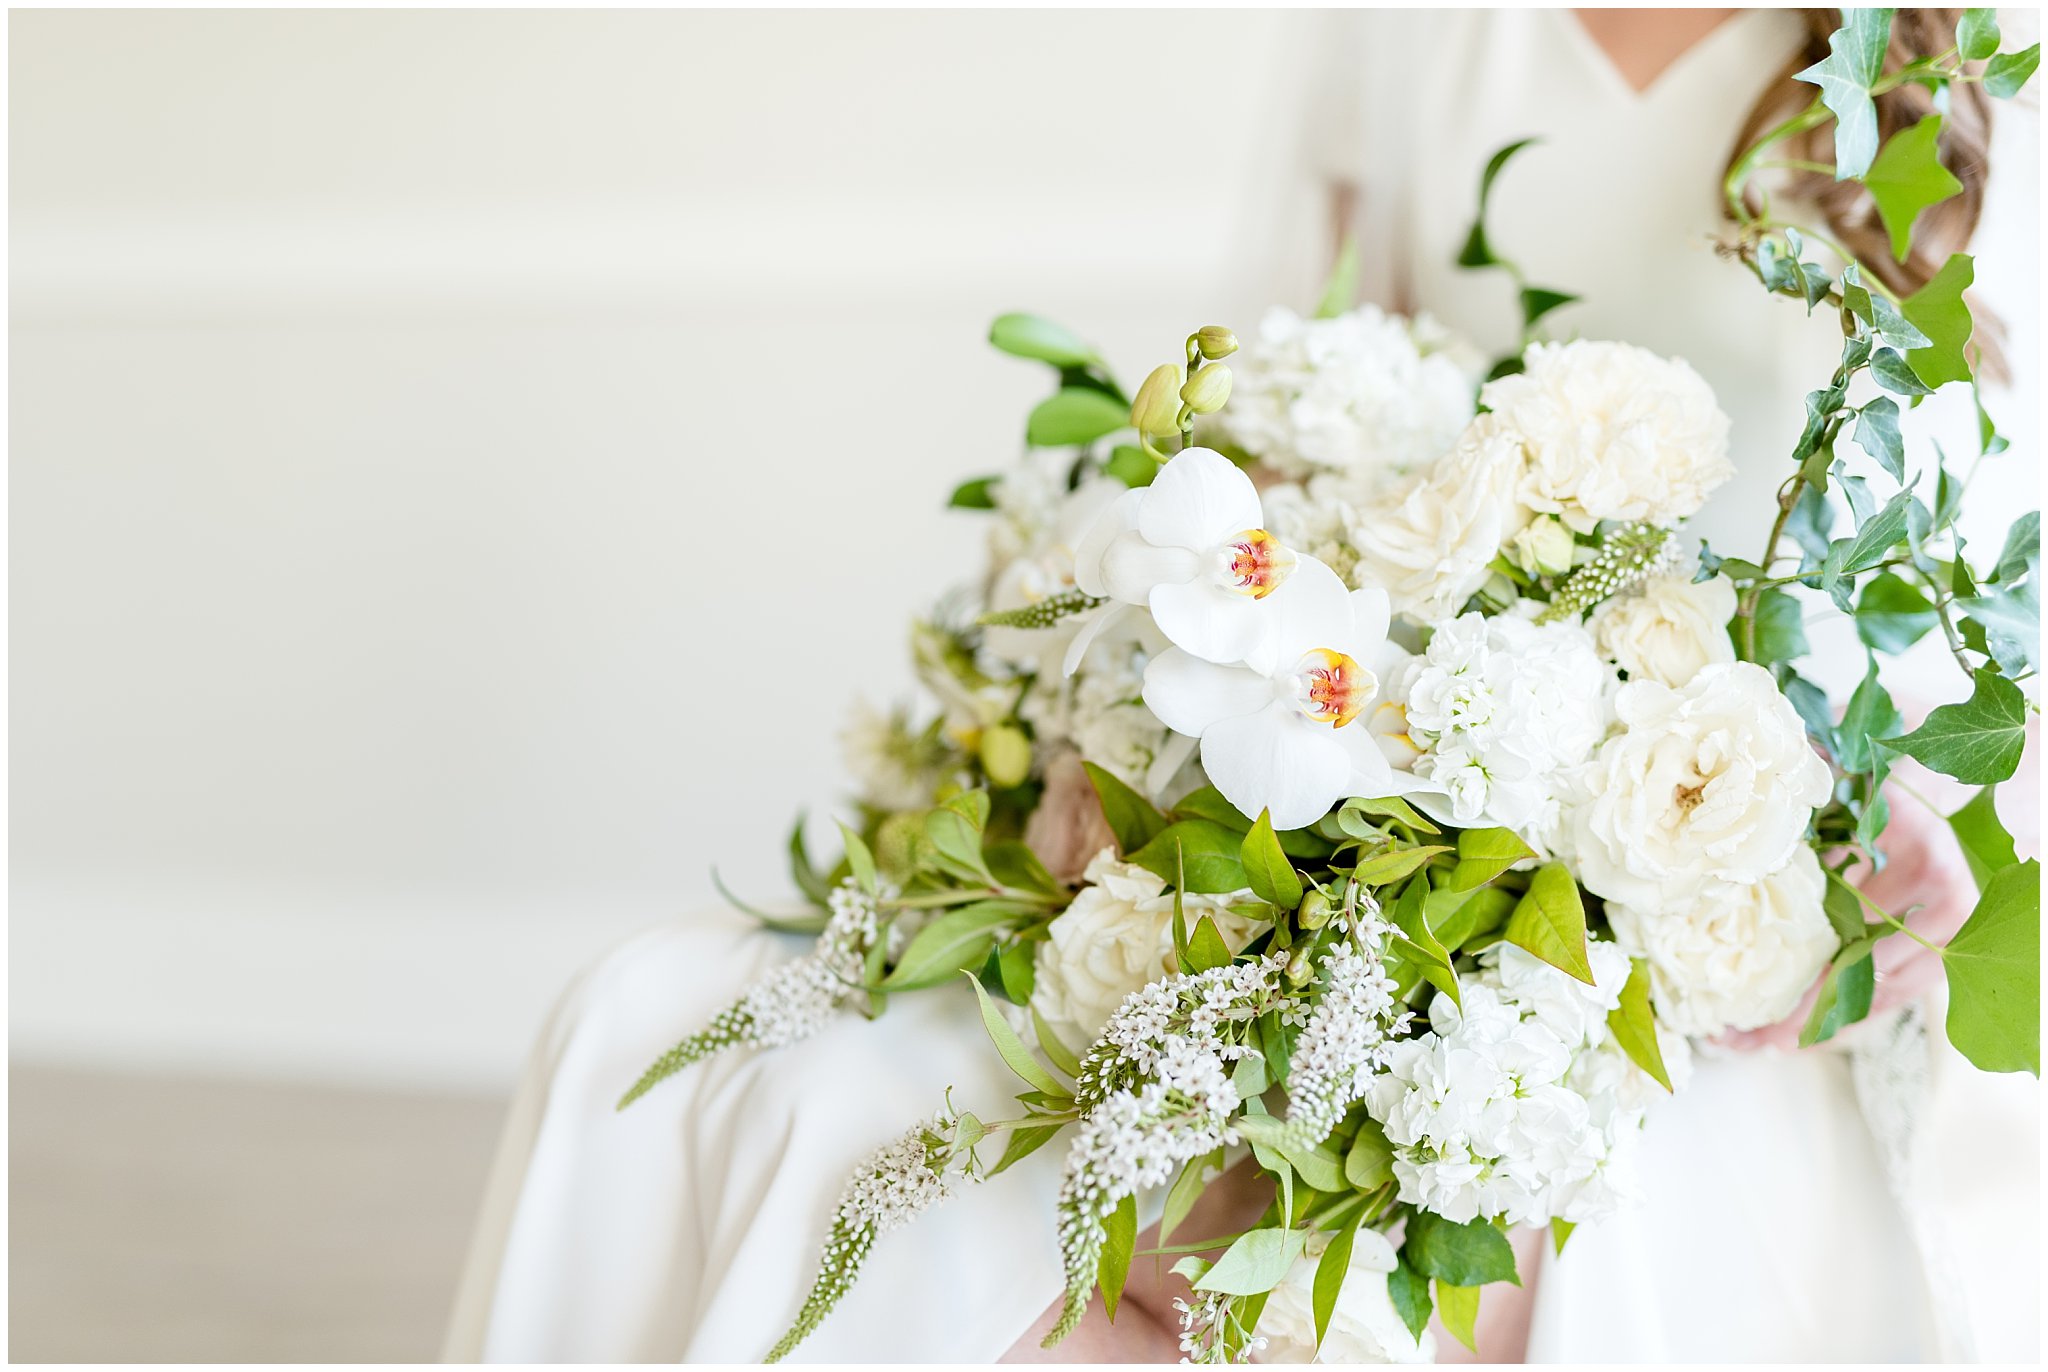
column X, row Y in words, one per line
column 1846, row 208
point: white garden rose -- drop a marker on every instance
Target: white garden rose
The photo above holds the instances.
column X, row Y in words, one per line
column 1115, row 937
column 1428, row 543
column 1712, row 781
column 1667, row 628
column 1364, row 1326
column 1612, row 431
column 1739, row 956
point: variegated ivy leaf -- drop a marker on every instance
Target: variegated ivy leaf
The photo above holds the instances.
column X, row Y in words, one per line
column 1854, row 62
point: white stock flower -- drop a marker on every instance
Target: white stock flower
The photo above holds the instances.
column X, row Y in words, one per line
column 1364, row 1326
column 1496, row 711
column 1612, row 431
column 1190, row 547
column 1042, row 565
column 1667, row 628
column 1428, row 542
column 1713, row 781
column 1363, row 393
column 1740, row 955
column 1277, row 730
column 1115, row 937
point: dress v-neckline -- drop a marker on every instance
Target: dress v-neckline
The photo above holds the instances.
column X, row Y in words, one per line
column 1598, row 56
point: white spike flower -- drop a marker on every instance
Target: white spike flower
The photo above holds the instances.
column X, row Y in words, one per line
column 1191, row 548
column 1278, row 729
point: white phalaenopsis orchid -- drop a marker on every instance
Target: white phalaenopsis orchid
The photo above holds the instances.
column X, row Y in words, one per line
column 1191, row 548
column 1277, row 729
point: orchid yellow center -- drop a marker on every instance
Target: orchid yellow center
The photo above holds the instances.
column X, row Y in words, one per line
column 1253, row 563
column 1330, row 687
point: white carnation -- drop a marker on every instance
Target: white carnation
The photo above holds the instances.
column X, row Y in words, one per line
column 1364, row 1326
column 1667, row 629
column 1114, row 938
column 1714, row 781
column 1364, row 393
column 1612, row 431
column 1500, row 710
column 1428, row 542
column 1740, row 955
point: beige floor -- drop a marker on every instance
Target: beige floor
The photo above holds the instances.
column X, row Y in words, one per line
column 154, row 1220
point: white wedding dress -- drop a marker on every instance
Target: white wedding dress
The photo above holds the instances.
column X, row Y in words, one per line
column 688, row 1227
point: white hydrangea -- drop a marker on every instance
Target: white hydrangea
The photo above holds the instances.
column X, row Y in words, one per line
column 1666, row 628
column 1497, row 711
column 1364, row 393
column 1100, row 709
column 1612, row 431
column 1364, row 1326
column 1520, row 1104
column 1428, row 541
column 1738, row 957
column 1116, row 936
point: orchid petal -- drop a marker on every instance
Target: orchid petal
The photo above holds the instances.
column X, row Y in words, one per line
column 1190, row 695
column 1093, row 626
column 1173, row 755
column 1312, row 609
column 1131, row 567
column 1120, row 517
column 1278, row 762
column 1214, row 624
column 1198, row 500
column 1371, row 613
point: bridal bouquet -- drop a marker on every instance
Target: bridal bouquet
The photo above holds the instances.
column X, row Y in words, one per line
column 1347, row 759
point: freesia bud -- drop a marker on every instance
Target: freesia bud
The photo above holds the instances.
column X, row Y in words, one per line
column 1207, row 390
column 1215, row 341
column 1005, row 756
column 1157, row 408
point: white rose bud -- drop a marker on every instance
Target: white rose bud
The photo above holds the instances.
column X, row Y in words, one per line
column 1667, row 629
column 1543, row 549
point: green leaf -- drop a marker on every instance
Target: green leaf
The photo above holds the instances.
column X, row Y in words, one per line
column 1053, row 1047
column 978, row 494
column 858, row 859
column 1560, row 1234
column 1209, row 851
column 954, row 828
column 1892, row 615
column 1869, row 715
column 1014, row 1053
column 2021, row 555
column 2011, row 619
column 1014, row 865
column 1635, row 1026
column 1994, row 961
column 1477, row 252
column 1073, row 416
column 956, row 940
column 1780, row 628
column 1206, row 947
column 1409, row 1291
column 1342, row 288
column 1024, row 1141
column 1845, row 993
column 1393, row 808
column 1420, row 945
column 1458, row 1307
column 1537, row 302
column 1484, row 854
column 1131, row 465
column 1255, row 1263
column 2008, row 73
column 1460, row 918
column 1027, row 335
column 1271, row 876
column 1369, row 1164
column 1938, row 310
column 1977, row 34
column 1893, row 372
column 1550, row 921
column 1907, row 177
column 1331, row 1270
column 1875, row 540
column 1471, row 1254
column 1186, row 1190
column 1877, row 433
column 1132, row 818
column 1208, row 803
column 815, row 888
column 1978, row 741
column 1384, row 869
column 1986, row 845
column 1854, row 62
column 1119, row 1241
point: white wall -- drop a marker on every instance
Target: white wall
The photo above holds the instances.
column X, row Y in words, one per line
column 463, row 461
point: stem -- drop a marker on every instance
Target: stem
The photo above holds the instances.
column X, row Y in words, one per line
column 1897, row 924
column 1736, row 182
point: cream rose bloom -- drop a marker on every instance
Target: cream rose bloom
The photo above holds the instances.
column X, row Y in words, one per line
column 1116, row 937
column 1364, row 1327
column 1667, row 629
column 1429, row 542
column 1612, row 431
column 1738, row 957
column 1714, row 781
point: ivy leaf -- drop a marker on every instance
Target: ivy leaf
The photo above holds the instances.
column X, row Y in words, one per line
column 1550, row 921
column 1780, row 628
column 1470, row 1254
column 1635, row 1026
column 1131, row 817
column 1869, row 715
column 1199, row 855
column 1994, row 961
column 1907, row 177
column 2011, row 619
column 1895, row 374
column 1011, row 1048
column 1855, row 60
column 1986, row 845
column 1877, row 433
column 1892, row 615
column 1459, row 1308
column 2021, row 555
column 1477, row 252
column 1938, row 310
column 1409, row 1291
column 1119, row 1241
column 1845, row 993
column 1027, row 335
column 2009, row 72
column 1811, row 702
column 1873, row 543
column 1271, row 876
column 1073, row 416
column 1977, row 34
column 1978, row 741
column 1331, row 1269
column 1538, row 301
column 1255, row 1263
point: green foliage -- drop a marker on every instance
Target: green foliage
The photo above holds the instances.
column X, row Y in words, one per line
column 1369, row 1163
column 1132, row 818
column 1014, row 1054
column 1854, row 62
column 1255, row 1263
column 1907, row 177
column 1331, row 1270
column 1550, row 921
column 2009, row 72
column 1938, row 310
column 1027, row 335
column 978, row 494
column 1206, row 947
column 1993, row 962
column 1045, row 613
column 1892, row 614
column 1986, row 845
column 1119, row 1241
column 1845, row 992
column 1409, row 1291
column 1342, row 288
column 1477, row 252
column 956, row 941
column 1978, row 741
column 1634, row 1026
column 1470, row 1254
column 1780, row 630
column 1075, row 415
column 1977, row 34
column 1271, row 876
column 1458, row 1308
column 1199, row 856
